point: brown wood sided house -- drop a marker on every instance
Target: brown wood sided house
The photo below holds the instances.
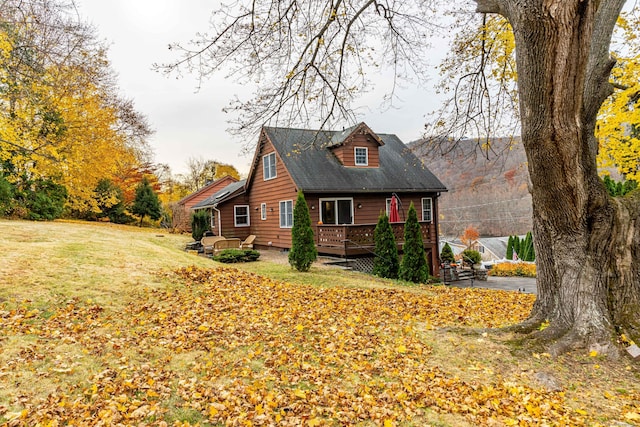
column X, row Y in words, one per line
column 182, row 210
column 348, row 177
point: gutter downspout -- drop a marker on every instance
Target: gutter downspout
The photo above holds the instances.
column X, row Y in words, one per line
column 219, row 220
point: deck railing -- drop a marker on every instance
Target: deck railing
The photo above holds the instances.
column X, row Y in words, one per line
column 362, row 234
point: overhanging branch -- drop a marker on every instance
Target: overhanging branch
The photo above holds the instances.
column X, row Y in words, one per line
column 597, row 85
column 489, row 6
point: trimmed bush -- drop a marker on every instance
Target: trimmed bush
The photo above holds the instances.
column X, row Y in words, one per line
column 231, row 256
column 508, row 269
column 413, row 267
column 446, row 256
column 517, row 252
column 199, row 224
column 471, row 257
column 303, row 247
column 526, row 247
column 386, row 263
column 510, row 248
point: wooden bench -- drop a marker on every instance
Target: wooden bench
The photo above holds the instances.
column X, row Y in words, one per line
column 208, row 242
column 223, row 244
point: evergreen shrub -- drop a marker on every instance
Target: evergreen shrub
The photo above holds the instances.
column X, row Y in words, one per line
column 446, row 256
column 199, row 224
column 6, row 196
column 471, row 257
column 46, row 200
column 230, row 256
column 386, row 263
column 303, row 247
column 413, row 267
column 146, row 202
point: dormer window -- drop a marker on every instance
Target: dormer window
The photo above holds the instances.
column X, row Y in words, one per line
column 362, row 156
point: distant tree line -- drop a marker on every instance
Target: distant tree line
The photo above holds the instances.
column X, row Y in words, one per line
column 70, row 145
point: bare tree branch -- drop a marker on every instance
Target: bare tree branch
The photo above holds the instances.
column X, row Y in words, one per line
column 310, row 59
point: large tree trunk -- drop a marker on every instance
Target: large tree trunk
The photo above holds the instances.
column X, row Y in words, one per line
column 586, row 242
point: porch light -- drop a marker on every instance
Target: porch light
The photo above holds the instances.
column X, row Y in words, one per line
column 359, row 205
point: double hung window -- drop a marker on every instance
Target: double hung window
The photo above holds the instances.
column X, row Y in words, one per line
column 362, row 156
column 427, row 209
column 269, row 166
column 241, row 215
column 286, row 214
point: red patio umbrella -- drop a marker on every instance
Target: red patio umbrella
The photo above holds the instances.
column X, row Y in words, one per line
column 393, row 210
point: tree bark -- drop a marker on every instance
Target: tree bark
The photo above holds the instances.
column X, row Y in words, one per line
column 586, row 242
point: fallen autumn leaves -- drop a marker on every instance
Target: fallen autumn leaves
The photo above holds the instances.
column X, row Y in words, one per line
column 224, row 347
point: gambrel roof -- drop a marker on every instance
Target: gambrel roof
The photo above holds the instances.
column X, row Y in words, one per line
column 308, row 157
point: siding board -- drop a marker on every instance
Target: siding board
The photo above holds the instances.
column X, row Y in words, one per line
column 271, row 192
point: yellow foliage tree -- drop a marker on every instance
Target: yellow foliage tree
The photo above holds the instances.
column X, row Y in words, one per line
column 482, row 60
column 60, row 116
column 223, row 170
column 618, row 128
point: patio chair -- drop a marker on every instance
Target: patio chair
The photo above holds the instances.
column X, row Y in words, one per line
column 248, row 242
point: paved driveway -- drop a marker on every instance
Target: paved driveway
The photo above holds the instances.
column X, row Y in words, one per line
column 521, row 284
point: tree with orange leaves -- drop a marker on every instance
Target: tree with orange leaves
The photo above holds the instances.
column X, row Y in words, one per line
column 470, row 235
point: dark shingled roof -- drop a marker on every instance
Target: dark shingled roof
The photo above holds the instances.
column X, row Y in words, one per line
column 314, row 168
column 227, row 192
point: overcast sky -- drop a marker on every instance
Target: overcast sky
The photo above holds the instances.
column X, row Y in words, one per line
column 190, row 123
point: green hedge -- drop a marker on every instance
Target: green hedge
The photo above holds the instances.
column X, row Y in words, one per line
column 230, row 256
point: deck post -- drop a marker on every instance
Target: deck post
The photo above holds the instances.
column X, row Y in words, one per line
column 346, row 254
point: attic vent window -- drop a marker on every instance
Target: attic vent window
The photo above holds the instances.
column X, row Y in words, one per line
column 362, row 156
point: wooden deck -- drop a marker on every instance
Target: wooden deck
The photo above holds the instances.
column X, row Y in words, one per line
column 352, row 240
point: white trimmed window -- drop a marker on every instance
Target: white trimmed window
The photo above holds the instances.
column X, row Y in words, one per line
column 269, row 166
column 241, row 215
column 362, row 156
column 286, row 214
column 427, row 209
column 263, row 211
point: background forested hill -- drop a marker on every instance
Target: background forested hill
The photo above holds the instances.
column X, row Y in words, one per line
column 487, row 189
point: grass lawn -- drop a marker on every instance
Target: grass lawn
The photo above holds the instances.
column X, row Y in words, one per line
column 111, row 325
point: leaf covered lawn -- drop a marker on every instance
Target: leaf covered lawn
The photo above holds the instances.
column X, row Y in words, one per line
column 226, row 347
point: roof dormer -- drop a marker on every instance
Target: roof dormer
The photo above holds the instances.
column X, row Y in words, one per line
column 357, row 147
